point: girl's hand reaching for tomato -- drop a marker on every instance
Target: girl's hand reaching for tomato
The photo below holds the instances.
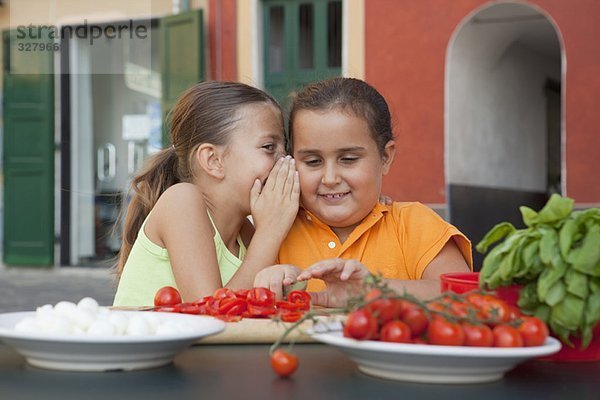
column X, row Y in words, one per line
column 344, row 279
column 276, row 278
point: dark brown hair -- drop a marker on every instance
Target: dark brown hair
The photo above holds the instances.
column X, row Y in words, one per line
column 348, row 94
column 205, row 113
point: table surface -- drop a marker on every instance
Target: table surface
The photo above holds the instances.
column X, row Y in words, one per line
column 244, row 372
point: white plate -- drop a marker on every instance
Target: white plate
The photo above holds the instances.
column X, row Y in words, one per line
column 434, row 364
column 107, row 353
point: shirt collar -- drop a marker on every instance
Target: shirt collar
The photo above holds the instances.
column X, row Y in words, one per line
column 377, row 211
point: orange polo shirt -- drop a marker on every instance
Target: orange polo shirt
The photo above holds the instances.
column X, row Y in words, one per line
column 397, row 241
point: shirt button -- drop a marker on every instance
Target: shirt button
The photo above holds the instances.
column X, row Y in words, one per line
column 308, row 218
column 331, row 245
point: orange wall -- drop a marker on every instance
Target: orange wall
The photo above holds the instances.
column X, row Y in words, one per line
column 405, row 52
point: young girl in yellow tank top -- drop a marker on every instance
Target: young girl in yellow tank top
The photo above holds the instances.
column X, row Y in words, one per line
column 186, row 225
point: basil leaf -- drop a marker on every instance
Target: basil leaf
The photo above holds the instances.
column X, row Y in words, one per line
column 547, row 279
column 563, row 333
column 498, row 232
column 548, row 245
column 528, row 297
column 542, row 312
column 530, row 217
column 490, row 265
column 529, row 252
column 565, row 236
column 556, row 293
column 577, row 283
column 568, row 313
column 592, row 317
column 556, row 208
column 587, row 258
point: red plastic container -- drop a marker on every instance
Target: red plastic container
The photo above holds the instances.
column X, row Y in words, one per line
column 461, row 282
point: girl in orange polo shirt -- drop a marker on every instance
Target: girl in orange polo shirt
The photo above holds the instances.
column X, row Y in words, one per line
column 341, row 137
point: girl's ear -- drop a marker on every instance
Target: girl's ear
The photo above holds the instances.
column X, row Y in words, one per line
column 209, row 158
column 389, row 152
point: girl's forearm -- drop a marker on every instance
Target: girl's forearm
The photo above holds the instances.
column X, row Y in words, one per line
column 423, row 289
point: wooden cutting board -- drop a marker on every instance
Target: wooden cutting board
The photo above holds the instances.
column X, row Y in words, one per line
column 255, row 330
column 249, row 330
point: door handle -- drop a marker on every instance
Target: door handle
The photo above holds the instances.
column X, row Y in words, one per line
column 135, row 157
column 106, row 171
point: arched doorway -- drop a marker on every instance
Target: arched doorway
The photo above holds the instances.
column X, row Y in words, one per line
column 503, row 116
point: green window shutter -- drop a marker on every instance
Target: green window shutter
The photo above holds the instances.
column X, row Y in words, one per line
column 28, row 114
column 182, row 57
column 302, row 43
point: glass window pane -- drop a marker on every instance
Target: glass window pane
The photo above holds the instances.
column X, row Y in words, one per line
column 276, row 39
column 334, row 34
column 306, row 48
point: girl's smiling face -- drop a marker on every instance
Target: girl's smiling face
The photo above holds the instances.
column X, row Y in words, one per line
column 340, row 167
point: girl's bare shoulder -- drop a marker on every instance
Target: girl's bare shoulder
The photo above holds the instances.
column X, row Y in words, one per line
column 181, row 192
column 180, row 206
column 180, row 198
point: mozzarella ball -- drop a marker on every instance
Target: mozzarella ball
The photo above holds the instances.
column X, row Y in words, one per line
column 89, row 304
column 65, row 308
column 101, row 327
column 138, row 326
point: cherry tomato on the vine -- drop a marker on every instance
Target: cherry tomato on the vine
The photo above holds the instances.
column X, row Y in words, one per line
column 478, row 335
column 533, row 330
column 385, row 309
column 495, row 309
column 415, row 318
column 395, row 331
column 360, row 325
column 507, row 336
column 443, row 332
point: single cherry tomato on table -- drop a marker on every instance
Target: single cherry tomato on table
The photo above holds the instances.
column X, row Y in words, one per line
column 167, row 296
column 283, row 363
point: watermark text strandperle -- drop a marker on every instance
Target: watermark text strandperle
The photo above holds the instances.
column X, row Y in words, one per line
column 85, row 31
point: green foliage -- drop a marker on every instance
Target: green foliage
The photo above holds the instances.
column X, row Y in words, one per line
column 556, row 259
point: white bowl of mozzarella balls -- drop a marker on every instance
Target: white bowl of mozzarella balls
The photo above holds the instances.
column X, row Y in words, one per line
column 87, row 318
